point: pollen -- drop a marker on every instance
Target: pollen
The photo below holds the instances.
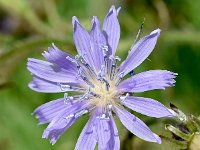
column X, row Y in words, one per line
column 106, row 92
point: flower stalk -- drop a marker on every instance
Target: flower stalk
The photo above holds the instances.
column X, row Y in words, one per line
column 185, row 133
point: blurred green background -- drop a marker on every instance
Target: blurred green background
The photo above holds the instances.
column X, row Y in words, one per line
column 28, row 27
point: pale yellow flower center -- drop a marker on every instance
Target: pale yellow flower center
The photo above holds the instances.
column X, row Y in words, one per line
column 106, row 95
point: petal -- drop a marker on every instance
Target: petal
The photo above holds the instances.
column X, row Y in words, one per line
column 45, row 86
column 136, row 126
column 63, row 121
column 55, row 55
column 147, row 107
column 87, row 140
column 107, row 134
column 111, row 28
column 55, row 133
column 42, row 85
column 82, row 42
column 139, row 52
column 46, row 112
column 149, row 80
column 114, row 143
column 97, row 42
column 51, row 72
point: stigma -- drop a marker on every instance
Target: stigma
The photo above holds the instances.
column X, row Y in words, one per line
column 102, row 85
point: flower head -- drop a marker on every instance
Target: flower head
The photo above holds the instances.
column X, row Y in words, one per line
column 94, row 74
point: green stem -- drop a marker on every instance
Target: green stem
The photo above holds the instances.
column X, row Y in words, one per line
column 182, row 37
column 23, row 9
column 176, row 144
column 177, row 132
column 30, row 44
column 52, row 13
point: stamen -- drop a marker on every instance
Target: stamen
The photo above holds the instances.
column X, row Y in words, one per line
column 101, row 77
column 101, row 73
column 122, row 98
column 70, row 116
column 86, row 95
column 82, row 74
column 95, row 95
column 93, row 74
column 91, row 71
column 117, row 58
column 64, row 87
column 132, row 73
column 105, row 54
column 104, row 80
column 71, row 59
column 68, row 98
column 106, row 64
column 77, row 57
column 84, row 69
column 80, row 69
column 107, row 84
column 119, row 78
column 105, row 49
column 87, row 81
column 77, row 114
column 103, row 117
column 80, row 113
column 113, row 67
column 109, row 107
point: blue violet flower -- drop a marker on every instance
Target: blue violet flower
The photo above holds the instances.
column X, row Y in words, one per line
column 98, row 81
